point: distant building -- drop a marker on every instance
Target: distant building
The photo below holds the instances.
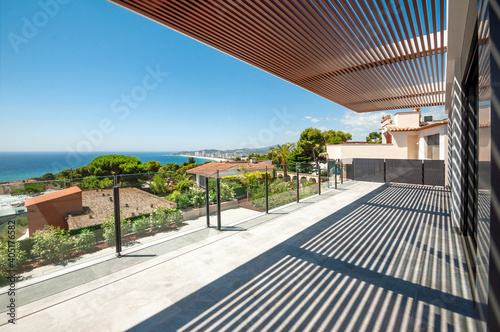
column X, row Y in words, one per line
column 407, row 137
column 53, row 208
column 227, row 169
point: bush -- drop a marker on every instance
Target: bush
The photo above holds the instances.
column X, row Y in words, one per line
column 140, row 226
column 126, row 227
column 11, row 259
column 176, row 216
column 52, row 244
column 18, row 191
column 158, row 185
column 198, row 199
column 184, row 202
column 85, row 241
column 109, row 235
column 226, row 192
column 35, row 187
column 159, row 217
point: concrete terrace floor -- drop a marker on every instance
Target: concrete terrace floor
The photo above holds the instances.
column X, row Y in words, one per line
column 368, row 257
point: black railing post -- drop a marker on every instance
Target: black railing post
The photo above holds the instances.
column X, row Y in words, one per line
column 267, row 192
column 298, row 182
column 423, row 172
column 385, row 171
column 319, row 179
column 335, row 173
column 218, row 203
column 118, row 230
column 341, row 172
column 207, row 200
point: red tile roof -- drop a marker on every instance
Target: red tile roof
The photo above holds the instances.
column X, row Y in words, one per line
column 211, row 169
column 52, row 195
column 423, row 125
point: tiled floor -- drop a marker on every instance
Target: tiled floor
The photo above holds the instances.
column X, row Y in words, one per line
column 370, row 257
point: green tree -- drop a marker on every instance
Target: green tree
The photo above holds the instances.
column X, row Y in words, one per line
column 284, row 151
column 153, row 166
column 158, row 185
column 191, row 160
column 373, row 136
column 116, row 165
column 184, row 183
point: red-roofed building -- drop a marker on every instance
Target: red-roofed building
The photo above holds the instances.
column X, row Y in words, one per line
column 227, row 169
column 53, row 208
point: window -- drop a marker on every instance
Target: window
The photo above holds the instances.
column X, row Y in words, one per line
column 432, row 147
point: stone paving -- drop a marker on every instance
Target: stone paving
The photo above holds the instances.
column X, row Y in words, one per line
column 366, row 257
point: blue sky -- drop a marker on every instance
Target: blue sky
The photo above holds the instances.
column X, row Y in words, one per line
column 88, row 75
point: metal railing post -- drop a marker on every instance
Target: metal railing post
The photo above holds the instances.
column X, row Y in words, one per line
column 319, row 179
column 118, row 230
column 423, row 172
column 385, row 172
column 218, row 203
column 267, row 193
column 298, row 183
column 341, row 172
column 207, row 200
column 335, row 173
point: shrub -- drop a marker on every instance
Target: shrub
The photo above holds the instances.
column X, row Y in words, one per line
column 158, row 185
column 35, row 187
column 140, row 226
column 176, row 216
column 18, row 191
column 109, row 235
column 226, row 192
column 184, row 202
column 126, row 227
column 11, row 259
column 198, row 199
column 85, row 241
column 52, row 244
column 159, row 217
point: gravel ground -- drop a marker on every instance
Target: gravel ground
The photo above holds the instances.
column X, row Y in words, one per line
column 133, row 201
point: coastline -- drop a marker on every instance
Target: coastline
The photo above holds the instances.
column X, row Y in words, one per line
column 198, row 157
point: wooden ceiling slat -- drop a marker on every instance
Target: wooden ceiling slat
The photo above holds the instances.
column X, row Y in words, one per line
column 368, row 55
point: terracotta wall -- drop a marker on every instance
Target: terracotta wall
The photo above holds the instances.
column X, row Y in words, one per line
column 53, row 212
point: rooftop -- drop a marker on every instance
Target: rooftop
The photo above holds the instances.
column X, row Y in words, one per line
column 423, row 125
column 52, row 195
column 211, row 169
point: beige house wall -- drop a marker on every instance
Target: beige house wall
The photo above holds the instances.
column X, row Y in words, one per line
column 397, row 150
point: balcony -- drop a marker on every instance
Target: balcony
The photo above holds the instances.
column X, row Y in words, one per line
column 367, row 256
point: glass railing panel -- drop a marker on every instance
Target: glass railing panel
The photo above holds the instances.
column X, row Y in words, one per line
column 56, row 224
column 152, row 205
column 282, row 190
column 308, row 180
column 248, row 192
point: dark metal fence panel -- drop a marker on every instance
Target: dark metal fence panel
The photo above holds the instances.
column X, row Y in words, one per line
column 404, row 171
column 434, row 172
column 371, row 170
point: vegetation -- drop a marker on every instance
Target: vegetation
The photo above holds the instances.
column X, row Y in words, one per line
column 52, row 244
column 284, row 151
column 30, row 188
column 374, row 137
column 11, row 260
column 85, row 241
column 311, row 146
column 21, row 225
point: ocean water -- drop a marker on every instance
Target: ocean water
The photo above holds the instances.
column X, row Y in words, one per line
column 24, row 165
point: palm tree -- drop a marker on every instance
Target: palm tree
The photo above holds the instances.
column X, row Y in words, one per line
column 283, row 151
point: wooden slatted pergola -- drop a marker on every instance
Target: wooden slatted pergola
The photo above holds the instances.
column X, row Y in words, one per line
column 366, row 55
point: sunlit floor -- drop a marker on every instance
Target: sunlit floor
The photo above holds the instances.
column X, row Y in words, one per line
column 370, row 258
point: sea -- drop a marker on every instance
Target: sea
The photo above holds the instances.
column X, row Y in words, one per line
column 16, row 166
